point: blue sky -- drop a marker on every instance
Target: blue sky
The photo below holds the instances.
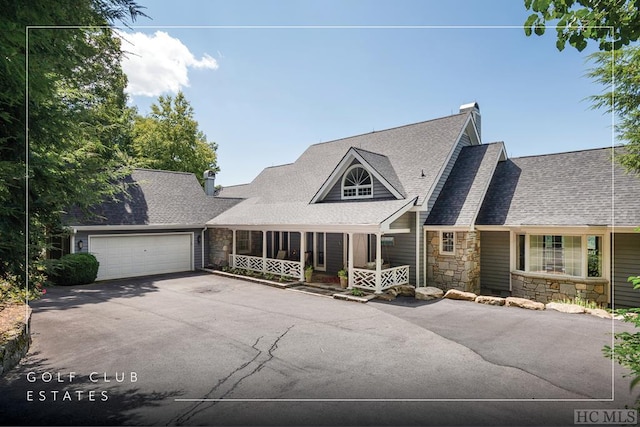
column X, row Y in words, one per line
column 265, row 94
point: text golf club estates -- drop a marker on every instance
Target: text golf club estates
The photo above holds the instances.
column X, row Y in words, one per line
column 70, row 386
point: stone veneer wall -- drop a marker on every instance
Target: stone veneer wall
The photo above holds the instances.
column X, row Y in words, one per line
column 218, row 238
column 459, row 271
column 546, row 288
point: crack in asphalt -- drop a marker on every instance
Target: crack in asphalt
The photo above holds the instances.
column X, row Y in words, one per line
column 198, row 407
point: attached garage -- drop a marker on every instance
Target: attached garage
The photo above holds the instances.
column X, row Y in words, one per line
column 131, row 255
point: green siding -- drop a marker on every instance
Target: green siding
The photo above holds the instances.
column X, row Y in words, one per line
column 626, row 262
column 495, row 271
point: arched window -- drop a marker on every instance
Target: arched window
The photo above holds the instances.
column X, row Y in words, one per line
column 357, row 183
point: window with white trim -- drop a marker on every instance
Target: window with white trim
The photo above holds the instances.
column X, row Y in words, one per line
column 447, row 242
column 357, row 183
column 243, row 241
column 569, row 255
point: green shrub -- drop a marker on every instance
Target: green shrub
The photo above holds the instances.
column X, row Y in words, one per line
column 13, row 288
column 626, row 350
column 73, row 269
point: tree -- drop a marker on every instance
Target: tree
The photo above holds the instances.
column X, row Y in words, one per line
column 622, row 67
column 59, row 142
column 169, row 138
column 612, row 23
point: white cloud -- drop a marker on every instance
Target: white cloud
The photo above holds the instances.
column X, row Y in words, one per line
column 159, row 63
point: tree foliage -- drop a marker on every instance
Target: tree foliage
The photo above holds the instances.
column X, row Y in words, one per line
column 626, row 350
column 611, row 23
column 168, row 138
column 62, row 117
column 621, row 67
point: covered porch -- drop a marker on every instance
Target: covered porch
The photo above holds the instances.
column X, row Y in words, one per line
column 367, row 257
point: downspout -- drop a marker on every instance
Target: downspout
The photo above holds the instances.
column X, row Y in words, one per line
column 417, row 249
column 202, row 235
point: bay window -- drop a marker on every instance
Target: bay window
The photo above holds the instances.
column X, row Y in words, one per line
column 569, row 255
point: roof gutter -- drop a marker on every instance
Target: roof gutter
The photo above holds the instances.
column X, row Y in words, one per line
column 77, row 228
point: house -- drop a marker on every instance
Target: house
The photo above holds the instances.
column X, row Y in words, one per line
column 422, row 204
column 155, row 225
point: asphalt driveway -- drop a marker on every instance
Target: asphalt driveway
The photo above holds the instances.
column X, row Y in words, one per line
column 165, row 350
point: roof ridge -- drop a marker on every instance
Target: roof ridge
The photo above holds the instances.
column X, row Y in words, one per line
column 163, row 171
column 277, row 166
column 225, row 197
column 369, row 151
column 235, row 185
column 391, row 128
column 566, row 152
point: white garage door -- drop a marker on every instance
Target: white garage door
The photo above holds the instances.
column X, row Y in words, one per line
column 141, row 255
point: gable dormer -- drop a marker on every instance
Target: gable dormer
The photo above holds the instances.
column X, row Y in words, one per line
column 361, row 175
column 473, row 127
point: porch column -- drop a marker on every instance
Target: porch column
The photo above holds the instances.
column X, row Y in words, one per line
column 378, row 263
column 303, row 245
column 350, row 262
column 233, row 248
column 264, row 251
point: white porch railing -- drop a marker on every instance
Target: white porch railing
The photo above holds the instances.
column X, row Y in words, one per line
column 390, row 277
column 280, row 267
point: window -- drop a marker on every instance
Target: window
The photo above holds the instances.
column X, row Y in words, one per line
column 560, row 254
column 447, row 242
column 556, row 254
column 594, row 256
column 243, row 241
column 520, row 251
column 357, row 183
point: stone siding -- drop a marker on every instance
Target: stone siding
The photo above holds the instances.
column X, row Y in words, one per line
column 458, row 271
column 218, row 239
column 546, row 288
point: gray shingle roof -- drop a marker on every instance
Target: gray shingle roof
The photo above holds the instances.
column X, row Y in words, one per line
column 383, row 166
column 153, row 197
column 573, row 188
column 404, row 151
column 410, row 150
column 462, row 194
column 361, row 213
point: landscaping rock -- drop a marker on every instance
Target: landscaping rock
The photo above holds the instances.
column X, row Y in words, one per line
column 599, row 312
column 485, row 299
column 393, row 292
column 460, row 295
column 523, row 303
column 565, row 308
column 405, row 290
column 429, row 293
column 387, row 296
